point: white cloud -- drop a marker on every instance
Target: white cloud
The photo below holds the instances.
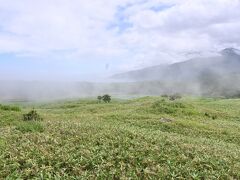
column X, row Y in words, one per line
column 157, row 31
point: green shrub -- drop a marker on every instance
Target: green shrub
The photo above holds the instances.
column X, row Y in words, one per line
column 32, row 116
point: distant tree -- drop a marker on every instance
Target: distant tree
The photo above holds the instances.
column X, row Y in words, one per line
column 178, row 96
column 99, row 98
column 175, row 96
column 164, row 95
column 106, row 98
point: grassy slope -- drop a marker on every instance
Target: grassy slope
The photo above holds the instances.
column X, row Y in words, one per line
column 124, row 139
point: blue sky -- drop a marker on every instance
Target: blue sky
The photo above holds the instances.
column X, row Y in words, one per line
column 83, row 40
column 13, row 67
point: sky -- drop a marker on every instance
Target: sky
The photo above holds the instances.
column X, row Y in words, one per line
column 90, row 39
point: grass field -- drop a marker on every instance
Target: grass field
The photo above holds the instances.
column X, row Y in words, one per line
column 144, row 138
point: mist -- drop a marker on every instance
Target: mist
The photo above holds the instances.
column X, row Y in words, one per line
column 215, row 76
column 127, row 49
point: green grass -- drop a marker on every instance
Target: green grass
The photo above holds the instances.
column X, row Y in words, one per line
column 31, row 126
column 9, row 108
column 123, row 139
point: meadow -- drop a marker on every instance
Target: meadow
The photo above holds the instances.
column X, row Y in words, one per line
column 142, row 138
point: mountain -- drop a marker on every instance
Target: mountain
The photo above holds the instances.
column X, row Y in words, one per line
column 230, row 52
column 212, row 75
column 228, row 62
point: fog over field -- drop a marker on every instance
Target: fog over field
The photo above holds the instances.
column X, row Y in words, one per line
column 212, row 76
column 62, row 49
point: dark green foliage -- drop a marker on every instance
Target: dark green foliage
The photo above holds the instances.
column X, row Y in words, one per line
column 207, row 114
column 106, row 98
column 32, row 116
column 174, row 97
column 164, row 96
column 210, row 116
column 99, row 98
column 9, row 108
column 232, row 96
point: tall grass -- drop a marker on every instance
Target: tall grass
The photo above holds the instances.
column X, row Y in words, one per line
column 9, row 108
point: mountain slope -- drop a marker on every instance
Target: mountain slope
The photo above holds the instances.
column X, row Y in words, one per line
column 227, row 63
column 212, row 76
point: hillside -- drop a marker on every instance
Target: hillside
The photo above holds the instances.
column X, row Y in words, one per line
column 148, row 138
column 205, row 76
column 227, row 63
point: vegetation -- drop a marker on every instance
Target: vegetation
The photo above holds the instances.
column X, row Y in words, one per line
column 164, row 95
column 32, row 116
column 25, row 127
column 145, row 138
column 106, row 98
column 9, row 108
column 174, row 97
column 99, row 98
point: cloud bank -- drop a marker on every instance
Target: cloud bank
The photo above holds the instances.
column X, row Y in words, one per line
column 127, row 34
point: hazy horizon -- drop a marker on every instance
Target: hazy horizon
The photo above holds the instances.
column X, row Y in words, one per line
column 90, row 40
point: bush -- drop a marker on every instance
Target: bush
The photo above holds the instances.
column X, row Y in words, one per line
column 32, row 116
column 174, row 97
